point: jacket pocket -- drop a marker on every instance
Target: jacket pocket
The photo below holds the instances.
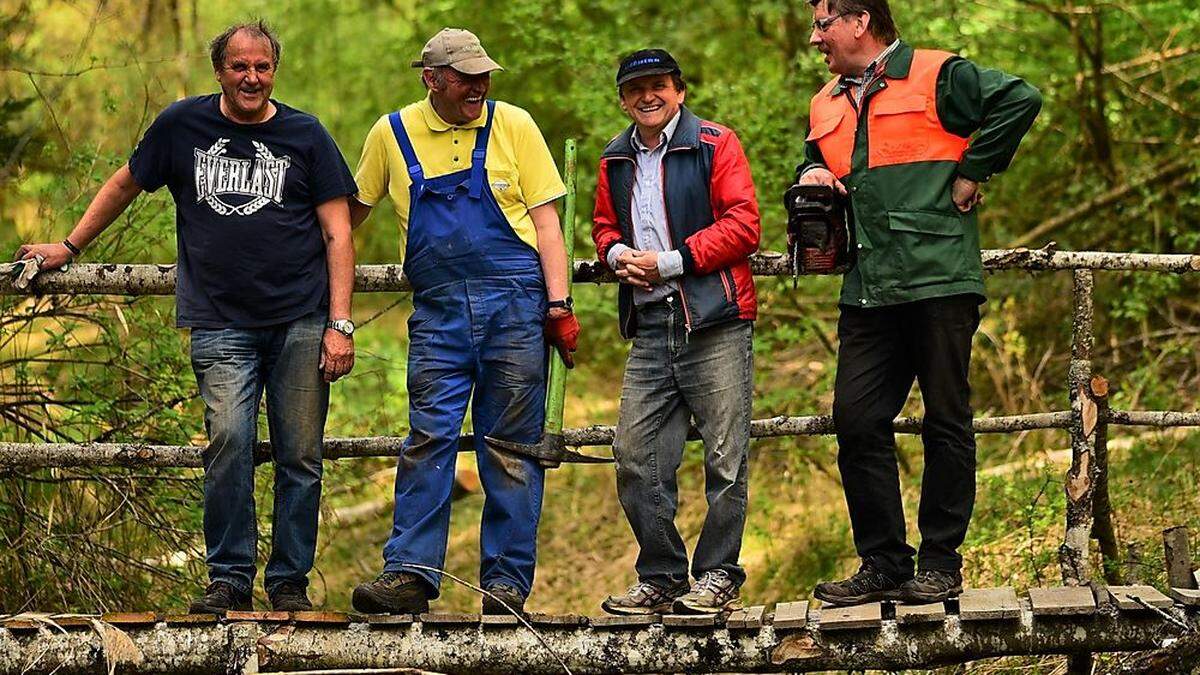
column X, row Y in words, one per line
column 928, row 247
column 824, row 127
column 901, row 104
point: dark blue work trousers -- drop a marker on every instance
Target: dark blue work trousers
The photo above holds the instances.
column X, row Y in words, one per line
column 477, row 341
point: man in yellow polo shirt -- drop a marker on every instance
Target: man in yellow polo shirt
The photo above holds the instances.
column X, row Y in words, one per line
column 474, row 186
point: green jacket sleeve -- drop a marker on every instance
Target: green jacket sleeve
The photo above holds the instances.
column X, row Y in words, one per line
column 998, row 108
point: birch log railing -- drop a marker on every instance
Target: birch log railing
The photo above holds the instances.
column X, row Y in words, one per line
column 770, row 649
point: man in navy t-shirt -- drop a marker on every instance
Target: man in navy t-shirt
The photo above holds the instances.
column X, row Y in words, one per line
column 264, row 279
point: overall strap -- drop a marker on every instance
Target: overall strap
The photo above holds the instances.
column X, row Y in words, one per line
column 479, row 154
column 410, row 156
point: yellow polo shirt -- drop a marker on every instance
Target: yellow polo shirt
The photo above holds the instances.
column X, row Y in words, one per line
column 520, row 169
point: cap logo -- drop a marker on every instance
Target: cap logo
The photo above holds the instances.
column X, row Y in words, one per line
column 643, row 61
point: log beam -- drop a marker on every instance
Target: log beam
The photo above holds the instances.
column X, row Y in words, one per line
column 472, row 648
column 43, row 455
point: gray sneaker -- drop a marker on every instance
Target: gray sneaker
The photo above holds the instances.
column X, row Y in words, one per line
column 644, row 598
column 713, row 593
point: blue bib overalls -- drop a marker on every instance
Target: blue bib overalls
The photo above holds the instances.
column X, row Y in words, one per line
column 479, row 305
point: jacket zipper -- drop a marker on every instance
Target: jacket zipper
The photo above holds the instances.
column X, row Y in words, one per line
column 687, row 315
column 725, row 282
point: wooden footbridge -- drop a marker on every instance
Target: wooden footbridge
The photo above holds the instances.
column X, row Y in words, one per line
column 1080, row 618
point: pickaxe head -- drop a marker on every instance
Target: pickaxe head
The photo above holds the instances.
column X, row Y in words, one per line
column 550, row 451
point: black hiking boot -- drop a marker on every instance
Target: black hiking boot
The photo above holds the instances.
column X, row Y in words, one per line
column 290, row 597
column 392, row 593
column 220, row 597
column 931, row 586
column 867, row 585
column 505, row 596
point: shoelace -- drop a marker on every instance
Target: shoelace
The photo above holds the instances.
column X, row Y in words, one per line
column 644, row 588
column 867, row 578
column 930, row 577
column 715, row 581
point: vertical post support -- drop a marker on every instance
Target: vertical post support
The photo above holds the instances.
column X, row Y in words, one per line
column 1177, row 553
column 1081, row 477
column 1103, row 530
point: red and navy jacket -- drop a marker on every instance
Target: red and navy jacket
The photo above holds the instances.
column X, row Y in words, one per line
column 712, row 218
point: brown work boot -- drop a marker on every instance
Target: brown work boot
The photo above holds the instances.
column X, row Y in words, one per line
column 931, row 586
column 503, row 599
column 220, row 597
column 867, row 585
column 392, row 593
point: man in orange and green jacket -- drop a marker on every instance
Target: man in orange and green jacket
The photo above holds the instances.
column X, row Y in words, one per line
column 908, row 135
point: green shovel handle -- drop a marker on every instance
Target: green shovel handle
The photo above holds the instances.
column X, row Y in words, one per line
column 556, row 391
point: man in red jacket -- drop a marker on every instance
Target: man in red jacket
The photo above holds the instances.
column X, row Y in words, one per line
column 676, row 219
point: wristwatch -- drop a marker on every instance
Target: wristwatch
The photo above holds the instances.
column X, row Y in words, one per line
column 567, row 304
column 343, row 326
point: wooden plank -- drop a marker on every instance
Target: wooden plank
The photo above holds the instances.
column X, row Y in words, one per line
column 1062, row 601
column 21, row 625
column 619, row 622
column 750, row 618
column 791, row 615
column 322, row 618
column 557, row 620
column 1123, row 597
column 258, row 617
column 190, row 619
column 498, row 620
column 130, row 618
column 690, row 620
column 449, row 619
column 1188, row 597
column 389, row 620
column 909, row 615
column 988, row 604
column 853, row 617
column 70, row 621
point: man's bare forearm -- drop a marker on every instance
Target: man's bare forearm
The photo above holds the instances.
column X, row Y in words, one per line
column 117, row 193
column 334, row 216
column 358, row 212
column 551, row 249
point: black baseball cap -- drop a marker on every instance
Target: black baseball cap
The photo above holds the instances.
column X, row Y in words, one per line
column 646, row 62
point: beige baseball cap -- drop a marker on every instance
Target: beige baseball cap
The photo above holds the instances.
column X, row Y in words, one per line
column 459, row 49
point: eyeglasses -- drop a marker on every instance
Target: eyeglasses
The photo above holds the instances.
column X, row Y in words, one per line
column 822, row 25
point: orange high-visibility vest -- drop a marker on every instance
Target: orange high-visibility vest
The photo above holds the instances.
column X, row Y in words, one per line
column 902, row 121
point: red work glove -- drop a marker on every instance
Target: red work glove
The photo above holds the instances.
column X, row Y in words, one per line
column 563, row 333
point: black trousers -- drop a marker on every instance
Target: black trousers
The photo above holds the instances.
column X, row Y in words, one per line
column 882, row 350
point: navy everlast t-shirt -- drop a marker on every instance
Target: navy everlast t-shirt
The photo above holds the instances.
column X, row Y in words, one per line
column 251, row 251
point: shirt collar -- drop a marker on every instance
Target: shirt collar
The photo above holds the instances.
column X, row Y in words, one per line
column 666, row 135
column 870, row 71
column 435, row 122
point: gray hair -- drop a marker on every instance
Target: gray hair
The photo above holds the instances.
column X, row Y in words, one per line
column 219, row 47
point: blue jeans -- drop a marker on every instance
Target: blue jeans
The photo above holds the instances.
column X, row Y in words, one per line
column 671, row 379
column 233, row 366
column 478, row 341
